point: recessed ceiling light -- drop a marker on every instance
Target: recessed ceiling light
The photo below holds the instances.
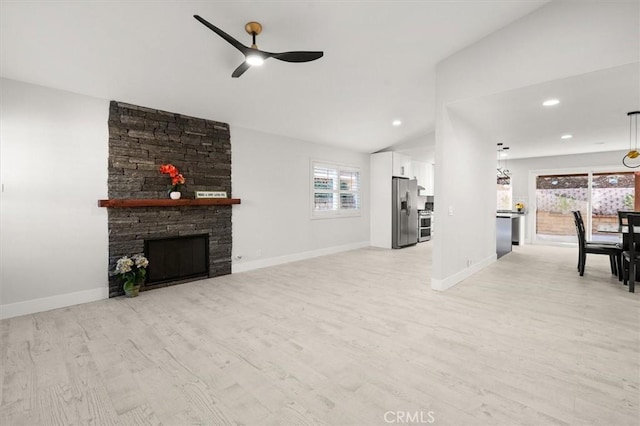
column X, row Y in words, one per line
column 551, row 102
column 396, row 123
column 503, row 154
column 566, row 136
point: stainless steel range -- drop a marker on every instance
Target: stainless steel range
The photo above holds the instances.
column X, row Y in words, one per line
column 425, row 219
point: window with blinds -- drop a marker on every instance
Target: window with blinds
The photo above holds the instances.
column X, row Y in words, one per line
column 336, row 190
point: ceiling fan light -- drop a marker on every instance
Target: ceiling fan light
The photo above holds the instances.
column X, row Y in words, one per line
column 254, row 60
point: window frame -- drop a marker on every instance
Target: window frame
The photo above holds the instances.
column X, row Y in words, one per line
column 339, row 212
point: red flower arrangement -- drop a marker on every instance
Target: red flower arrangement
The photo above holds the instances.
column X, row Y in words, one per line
column 176, row 177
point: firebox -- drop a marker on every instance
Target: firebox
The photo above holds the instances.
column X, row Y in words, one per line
column 177, row 258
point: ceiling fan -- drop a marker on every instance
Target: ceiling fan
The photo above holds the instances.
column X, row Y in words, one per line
column 254, row 56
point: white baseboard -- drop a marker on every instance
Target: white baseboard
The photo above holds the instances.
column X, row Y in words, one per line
column 263, row 263
column 447, row 283
column 53, row 302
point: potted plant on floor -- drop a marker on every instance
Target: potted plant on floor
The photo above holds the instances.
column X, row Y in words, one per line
column 132, row 271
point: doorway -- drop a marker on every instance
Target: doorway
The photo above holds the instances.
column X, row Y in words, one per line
column 598, row 195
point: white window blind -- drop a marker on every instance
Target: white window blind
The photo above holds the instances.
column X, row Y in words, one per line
column 336, row 190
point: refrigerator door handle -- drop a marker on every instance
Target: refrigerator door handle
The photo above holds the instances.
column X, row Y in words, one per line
column 408, row 204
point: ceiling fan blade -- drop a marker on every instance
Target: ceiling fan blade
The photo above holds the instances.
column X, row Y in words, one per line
column 232, row 41
column 240, row 70
column 296, row 56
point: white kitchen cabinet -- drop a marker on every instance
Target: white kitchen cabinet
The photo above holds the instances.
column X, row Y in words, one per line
column 401, row 165
column 423, row 172
column 380, row 201
column 419, row 172
column 429, row 176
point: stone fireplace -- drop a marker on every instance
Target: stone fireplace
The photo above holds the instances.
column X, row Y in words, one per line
column 140, row 140
column 177, row 258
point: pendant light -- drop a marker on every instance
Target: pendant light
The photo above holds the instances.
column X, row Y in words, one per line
column 503, row 174
column 633, row 140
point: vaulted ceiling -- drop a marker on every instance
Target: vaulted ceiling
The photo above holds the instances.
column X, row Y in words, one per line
column 378, row 65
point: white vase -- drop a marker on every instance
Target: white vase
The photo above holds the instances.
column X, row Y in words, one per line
column 175, row 195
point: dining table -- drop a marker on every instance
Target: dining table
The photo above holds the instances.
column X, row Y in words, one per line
column 622, row 230
column 612, row 229
column 616, row 229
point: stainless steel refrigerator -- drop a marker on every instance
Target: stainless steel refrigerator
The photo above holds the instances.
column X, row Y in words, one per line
column 405, row 212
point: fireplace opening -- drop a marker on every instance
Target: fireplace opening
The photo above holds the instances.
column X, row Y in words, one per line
column 177, row 258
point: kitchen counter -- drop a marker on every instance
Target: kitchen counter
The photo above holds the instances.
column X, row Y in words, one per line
column 509, row 230
column 503, row 234
column 513, row 213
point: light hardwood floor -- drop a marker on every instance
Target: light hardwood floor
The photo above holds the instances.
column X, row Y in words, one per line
column 342, row 339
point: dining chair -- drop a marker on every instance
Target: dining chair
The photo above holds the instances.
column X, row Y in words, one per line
column 631, row 256
column 614, row 261
column 577, row 215
column 622, row 221
column 622, row 217
column 613, row 250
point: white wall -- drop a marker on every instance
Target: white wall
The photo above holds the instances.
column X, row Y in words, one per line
column 520, row 168
column 53, row 242
column 560, row 39
column 271, row 174
column 54, row 237
column 465, row 240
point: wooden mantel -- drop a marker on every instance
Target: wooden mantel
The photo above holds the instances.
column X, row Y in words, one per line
column 167, row 202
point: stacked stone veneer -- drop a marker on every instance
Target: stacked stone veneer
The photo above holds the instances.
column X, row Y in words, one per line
column 140, row 140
